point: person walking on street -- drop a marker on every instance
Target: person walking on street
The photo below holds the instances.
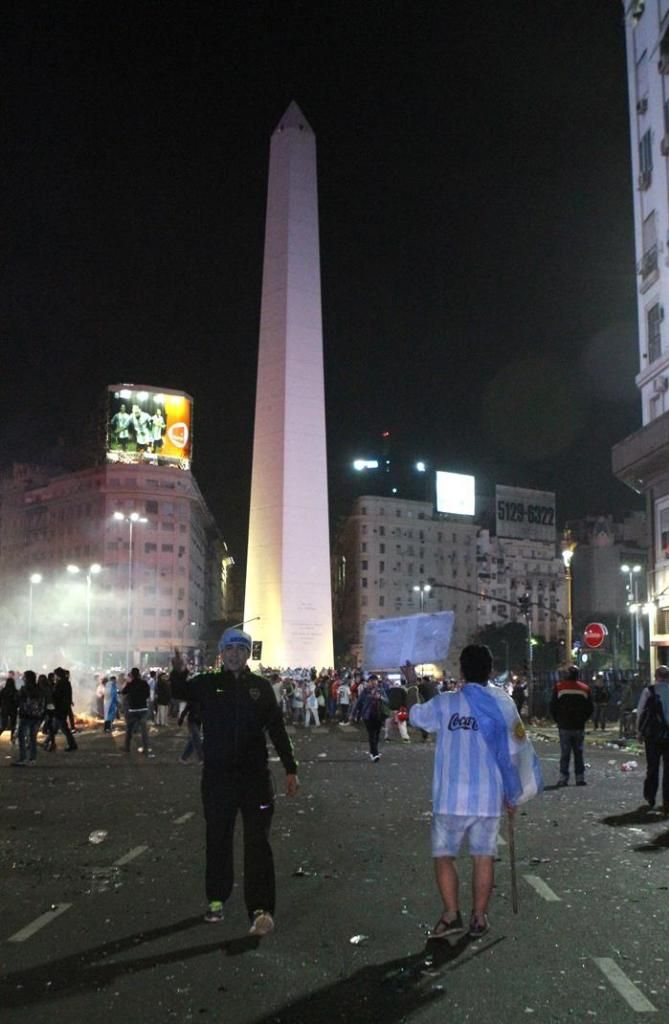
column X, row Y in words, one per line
column 110, row 702
column 344, row 701
column 600, row 702
column 31, row 707
column 62, row 706
column 652, row 727
column 136, row 692
column 9, row 704
column 238, row 708
column 163, row 697
column 480, row 741
column 571, row 707
column 191, row 713
column 371, row 709
column 518, row 696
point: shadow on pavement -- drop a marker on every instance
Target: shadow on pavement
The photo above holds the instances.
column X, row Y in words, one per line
column 93, row 969
column 640, row 816
column 388, row 992
column 654, row 845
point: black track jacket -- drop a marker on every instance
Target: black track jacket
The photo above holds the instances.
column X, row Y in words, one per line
column 236, row 713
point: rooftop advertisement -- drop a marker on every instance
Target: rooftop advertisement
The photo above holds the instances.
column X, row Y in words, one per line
column 456, row 493
column 525, row 514
column 148, row 425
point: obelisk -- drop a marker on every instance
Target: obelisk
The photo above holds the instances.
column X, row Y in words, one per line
column 288, row 568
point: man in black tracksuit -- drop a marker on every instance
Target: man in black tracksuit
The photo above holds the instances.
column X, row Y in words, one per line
column 237, row 709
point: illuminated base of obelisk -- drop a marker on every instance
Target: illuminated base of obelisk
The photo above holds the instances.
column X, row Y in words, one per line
column 288, row 569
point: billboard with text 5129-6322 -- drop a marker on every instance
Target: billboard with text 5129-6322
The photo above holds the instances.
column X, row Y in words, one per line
column 525, row 514
column 150, row 425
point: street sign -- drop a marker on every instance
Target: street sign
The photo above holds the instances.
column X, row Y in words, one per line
column 594, row 634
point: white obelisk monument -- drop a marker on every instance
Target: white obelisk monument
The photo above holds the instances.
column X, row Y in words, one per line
column 288, row 567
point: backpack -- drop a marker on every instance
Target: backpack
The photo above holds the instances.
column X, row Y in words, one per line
column 652, row 723
column 33, row 707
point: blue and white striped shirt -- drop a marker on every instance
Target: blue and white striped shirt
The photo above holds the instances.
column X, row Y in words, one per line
column 466, row 777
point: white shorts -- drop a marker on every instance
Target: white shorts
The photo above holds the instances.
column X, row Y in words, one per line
column 448, row 831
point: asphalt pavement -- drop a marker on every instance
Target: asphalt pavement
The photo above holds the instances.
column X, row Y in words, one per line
column 101, row 868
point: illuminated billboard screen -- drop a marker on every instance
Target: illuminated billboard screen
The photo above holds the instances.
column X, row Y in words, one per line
column 525, row 514
column 149, row 425
column 456, row 493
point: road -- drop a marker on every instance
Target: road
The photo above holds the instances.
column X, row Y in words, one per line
column 115, row 927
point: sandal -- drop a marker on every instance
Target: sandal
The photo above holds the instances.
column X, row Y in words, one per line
column 443, row 928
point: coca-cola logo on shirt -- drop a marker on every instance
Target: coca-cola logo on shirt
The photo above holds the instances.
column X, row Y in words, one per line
column 457, row 721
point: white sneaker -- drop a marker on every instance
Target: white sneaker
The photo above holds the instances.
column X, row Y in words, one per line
column 263, row 923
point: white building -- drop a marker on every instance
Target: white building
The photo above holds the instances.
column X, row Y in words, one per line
column 509, row 569
column 642, row 460
column 396, row 557
column 142, row 600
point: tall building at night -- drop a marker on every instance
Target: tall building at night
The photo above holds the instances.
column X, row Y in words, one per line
column 288, row 568
column 117, row 562
column 397, row 557
column 642, row 459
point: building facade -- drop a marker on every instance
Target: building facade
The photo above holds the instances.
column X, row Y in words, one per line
column 396, row 557
column 642, row 459
column 118, row 602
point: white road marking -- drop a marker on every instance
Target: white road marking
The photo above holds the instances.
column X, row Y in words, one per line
column 501, row 840
column 622, row 984
column 184, row 817
column 130, row 855
column 39, row 922
column 544, row 890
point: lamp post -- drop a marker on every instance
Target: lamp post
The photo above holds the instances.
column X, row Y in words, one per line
column 632, row 573
column 422, row 590
column 568, row 548
column 33, row 580
column 133, row 518
column 93, row 570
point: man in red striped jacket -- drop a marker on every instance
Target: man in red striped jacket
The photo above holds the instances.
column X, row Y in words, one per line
column 571, row 706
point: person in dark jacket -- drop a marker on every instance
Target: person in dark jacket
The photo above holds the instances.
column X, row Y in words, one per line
column 62, row 705
column 32, row 705
column 372, row 708
column 237, row 709
column 136, row 692
column 571, row 707
column 9, row 699
column 600, row 702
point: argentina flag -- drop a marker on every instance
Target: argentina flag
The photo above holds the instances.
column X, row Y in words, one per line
column 506, row 738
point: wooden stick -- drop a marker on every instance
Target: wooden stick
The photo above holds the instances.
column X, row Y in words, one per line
column 512, row 862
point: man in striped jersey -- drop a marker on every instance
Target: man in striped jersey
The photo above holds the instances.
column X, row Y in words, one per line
column 476, row 774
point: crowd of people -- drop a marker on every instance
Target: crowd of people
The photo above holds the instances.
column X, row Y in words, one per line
column 237, row 710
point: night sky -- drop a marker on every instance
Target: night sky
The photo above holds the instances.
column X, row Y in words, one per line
column 475, row 217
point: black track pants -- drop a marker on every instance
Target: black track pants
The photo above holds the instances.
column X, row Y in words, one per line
column 223, row 795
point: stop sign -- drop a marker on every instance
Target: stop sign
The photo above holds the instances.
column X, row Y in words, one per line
column 594, row 634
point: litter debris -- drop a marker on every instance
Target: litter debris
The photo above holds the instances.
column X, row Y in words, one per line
column 355, row 940
column 629, row 766
column 322, row 755
column 301, row 873
column 98, row 836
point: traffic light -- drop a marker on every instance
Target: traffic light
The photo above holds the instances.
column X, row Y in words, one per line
column 524, row 603
column 256, row 650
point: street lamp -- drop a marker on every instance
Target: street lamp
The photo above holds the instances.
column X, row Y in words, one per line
column 423, row 589
column 632, row 573
column 93, row 570
column 133, row 518
column 568, row 548
column 33, row 580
